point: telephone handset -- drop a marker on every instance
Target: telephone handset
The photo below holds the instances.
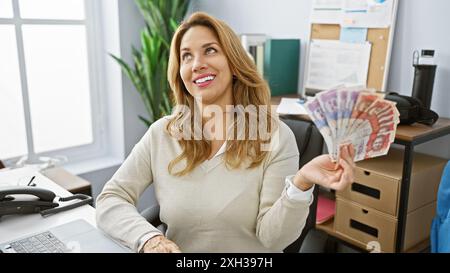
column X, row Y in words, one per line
column 26, row 200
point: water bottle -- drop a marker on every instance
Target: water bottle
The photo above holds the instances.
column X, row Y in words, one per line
column 424, row 74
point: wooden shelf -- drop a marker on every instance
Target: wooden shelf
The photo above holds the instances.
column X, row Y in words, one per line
column 328, row 227
column 415, row 131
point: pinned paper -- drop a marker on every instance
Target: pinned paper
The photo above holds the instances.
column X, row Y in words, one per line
column 326, row 11
column 353, row 35
column 332, row 63
column 367, row 13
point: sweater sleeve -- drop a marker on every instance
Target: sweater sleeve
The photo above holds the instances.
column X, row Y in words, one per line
column 116, row 211
column 280, row 220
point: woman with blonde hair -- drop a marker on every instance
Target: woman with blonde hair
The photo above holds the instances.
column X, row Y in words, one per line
column 224, row 168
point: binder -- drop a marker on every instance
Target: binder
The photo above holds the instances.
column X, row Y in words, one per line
column 281, row 65
column 326, row 209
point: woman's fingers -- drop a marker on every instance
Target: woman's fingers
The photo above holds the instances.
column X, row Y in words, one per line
column 347, row 175
column 352, row 151
column 174, row 248
column 337, row 176
column 160, row 244
column 168, row 248
column 348, row 155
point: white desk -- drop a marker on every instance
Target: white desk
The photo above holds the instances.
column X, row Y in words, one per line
column 15, row 226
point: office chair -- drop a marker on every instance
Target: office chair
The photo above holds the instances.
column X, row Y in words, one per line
column 310, row 145
column 1, row 165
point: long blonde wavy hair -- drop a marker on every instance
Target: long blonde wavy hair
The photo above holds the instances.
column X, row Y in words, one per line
column 249, row 88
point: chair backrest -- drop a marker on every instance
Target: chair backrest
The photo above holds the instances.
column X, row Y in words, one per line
column 310, row 145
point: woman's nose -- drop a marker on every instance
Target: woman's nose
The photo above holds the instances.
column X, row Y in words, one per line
column 199, row 65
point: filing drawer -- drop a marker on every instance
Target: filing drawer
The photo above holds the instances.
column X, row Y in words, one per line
column 378, row 182
column 365, row 225
column 353, row 222
column 373, row 190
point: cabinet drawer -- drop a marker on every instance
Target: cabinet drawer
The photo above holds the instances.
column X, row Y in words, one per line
column 373, row 190
column 365, row 225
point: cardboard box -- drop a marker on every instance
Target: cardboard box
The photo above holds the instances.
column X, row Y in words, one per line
column 378, row 180
column 364, row 225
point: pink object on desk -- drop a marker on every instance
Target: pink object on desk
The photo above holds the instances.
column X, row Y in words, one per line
column 325, row 209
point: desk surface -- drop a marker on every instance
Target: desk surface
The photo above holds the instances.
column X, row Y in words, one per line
column 15, row 226
column 417, row 130
column 406, row 133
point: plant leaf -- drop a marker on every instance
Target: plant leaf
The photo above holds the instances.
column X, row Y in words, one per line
column 148, row 73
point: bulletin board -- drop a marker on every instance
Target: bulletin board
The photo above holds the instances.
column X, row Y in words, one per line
column 381, row 40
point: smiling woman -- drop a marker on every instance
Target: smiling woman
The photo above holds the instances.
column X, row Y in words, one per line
column 220, row 194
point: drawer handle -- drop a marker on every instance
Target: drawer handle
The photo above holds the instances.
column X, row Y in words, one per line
column 367, row 173
column 364, row 228
column 366, row 190
column 365, row 211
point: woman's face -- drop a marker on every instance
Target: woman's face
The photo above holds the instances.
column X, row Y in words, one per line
column 204, row 67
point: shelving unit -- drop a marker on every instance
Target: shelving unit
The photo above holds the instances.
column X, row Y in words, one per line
column 408, row 136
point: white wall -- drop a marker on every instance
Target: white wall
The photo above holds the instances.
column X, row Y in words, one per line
column 424, row 24
column 420, row 24
column 275, row 18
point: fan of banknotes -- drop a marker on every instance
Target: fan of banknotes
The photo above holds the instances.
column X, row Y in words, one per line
column 354, row 115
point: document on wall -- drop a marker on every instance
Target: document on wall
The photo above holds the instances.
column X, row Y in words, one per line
column 326, row 11
column 332, row 63
column 367, row 13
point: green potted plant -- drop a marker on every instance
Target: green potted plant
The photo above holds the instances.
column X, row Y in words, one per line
column 149, row 71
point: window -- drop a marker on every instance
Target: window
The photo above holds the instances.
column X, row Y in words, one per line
column 50, row 79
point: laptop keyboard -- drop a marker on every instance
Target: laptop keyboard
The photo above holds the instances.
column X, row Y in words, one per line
column 44, row 242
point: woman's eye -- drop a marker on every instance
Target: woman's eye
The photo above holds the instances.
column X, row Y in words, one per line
column 210, row 50
column 186, row 56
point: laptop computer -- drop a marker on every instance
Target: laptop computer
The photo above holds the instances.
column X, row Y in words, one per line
column 73, row 237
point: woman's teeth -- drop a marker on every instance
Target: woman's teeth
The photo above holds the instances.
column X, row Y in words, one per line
column 202, row 80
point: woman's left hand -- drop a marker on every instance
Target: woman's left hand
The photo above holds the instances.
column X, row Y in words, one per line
column 322, row 171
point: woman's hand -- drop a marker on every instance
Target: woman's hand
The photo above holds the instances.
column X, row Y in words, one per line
column 322, row 171
column 160, row 244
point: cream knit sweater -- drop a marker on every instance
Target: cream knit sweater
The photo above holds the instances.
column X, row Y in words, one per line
column 213, row 209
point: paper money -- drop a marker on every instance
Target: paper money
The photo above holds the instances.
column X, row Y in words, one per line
column 355, row 115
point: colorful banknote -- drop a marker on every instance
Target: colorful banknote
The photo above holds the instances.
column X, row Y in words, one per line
column 355, row 115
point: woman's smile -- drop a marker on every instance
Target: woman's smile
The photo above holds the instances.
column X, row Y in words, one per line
column 204, row 80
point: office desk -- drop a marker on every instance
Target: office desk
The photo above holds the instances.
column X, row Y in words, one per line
column 14, row 226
